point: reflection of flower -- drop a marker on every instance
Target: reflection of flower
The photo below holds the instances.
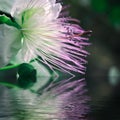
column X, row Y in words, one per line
column 63, row 100
column 42, row 34
column 74, row 99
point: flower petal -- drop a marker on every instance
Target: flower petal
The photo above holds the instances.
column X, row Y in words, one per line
column 10, row 43
column 52, row 1
column 21, row 5
column 6, row 5
column 53, row 12
column 51, row 8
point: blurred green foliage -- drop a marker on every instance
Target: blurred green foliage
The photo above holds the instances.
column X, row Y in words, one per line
column 114, row 16
column 110, row 9
column 99, row 5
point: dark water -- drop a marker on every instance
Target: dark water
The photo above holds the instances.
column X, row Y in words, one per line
column 57, row 98
column 49, row 98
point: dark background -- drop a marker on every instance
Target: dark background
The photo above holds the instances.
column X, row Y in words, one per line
column 103, row 68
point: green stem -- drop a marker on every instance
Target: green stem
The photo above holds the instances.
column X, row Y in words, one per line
column 9, row 85
column 9, row 67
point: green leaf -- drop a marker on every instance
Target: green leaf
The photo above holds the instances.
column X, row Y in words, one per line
column 6, row 20
column 27, row 75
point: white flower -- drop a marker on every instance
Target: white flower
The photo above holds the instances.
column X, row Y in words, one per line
column 44, row 35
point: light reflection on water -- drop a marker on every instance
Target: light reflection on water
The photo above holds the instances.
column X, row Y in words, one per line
column 47, row 99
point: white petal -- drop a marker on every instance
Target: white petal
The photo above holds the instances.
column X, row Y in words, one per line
column 49, row 6
column 6, row 5
column 53, row 12
column 10, row 41
column 52, row 1
column 21, row 5
column 56, row 10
